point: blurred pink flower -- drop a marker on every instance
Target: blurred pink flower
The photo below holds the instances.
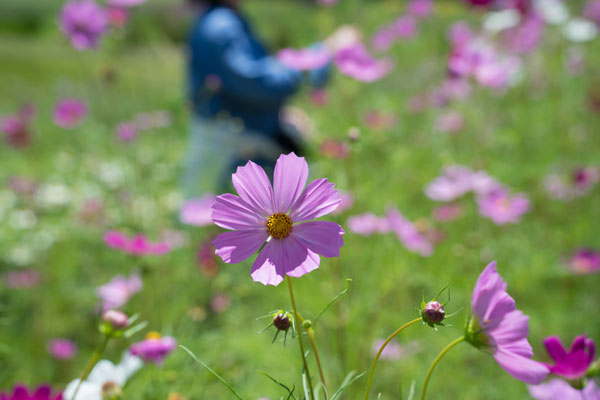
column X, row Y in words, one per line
column 117, row 16
column 346, row 201
column 319, row 97
column 92, row 211
column 125, row 3
column 70, row 112
column 579, row 183
column 304, row 59
column 154, row 349
column 62, row 349
column 356, row 62
column 21, row 279
column 449, row 122
column 367, row 224
column 403, row 27
column 17, row 128
column 219, row 303
column 558, row 389
column 452, row 184
column 328, row 2
column 137, row 245
column 333, row 148
column 206, row 259
column 572, row 364
column 84, row 22
column 525, row 37
column 408, row 234
column 501, row 207
column 448, row 212
column 21, row 392
column 127, row 131
column 394, row 351
column 460, row 34
column 22, row 186
column 584, row 261
column 197, row 212
column 380, row 121
column 592, row 11
column 420, row 8
column 119, row 290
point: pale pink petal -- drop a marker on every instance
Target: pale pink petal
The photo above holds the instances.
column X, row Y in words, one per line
column 522, row 368
column 268, row 267
column 231, row 212
column 321, row 237
column 318, row 199
column 289, row 180
column 234, row 247
column 513, row 327
column 252, row 184
column 520, row 347
column 557, row 389
column 489, row 284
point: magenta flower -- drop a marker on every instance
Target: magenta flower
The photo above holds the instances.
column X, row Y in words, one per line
column 501, row 207
column 585, row 261
column 420, row 8
column 558, row 389
column 125, row 3
column 198, row 211
column 17, row 128
column 154, row 349
column 127, row 131
column 402, row 28
column 84, row 22
column 62, row 349
column 356, row 62
column 305, row 59
column 21, row 392
column 137, row 245
column 278, row 215
column 368, row 224
column 407, row 233
column 592, row 11
column 119, row 290
column 68, row 113
column 117, row 16
column 573, row 364
column 496, row 326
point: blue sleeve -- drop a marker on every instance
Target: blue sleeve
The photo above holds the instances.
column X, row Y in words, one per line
column 254, row 78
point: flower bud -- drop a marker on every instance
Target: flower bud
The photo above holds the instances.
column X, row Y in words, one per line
column 116, row 319
column 353, row 134
column 282, row 321
column 433, row 312
column 111, row 391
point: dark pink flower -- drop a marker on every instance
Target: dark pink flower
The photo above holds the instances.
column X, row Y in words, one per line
column 585, row 261
column 137, row 245
column 69, row 113
column 20, row 392
column 501, row 207
column 356, row 62
column 304, row 59
column 119, row 290
column 154, row 349
column 499, row 328
column 17, row 128
column 198, row 211
column 271, row 219
column 117, row 16
column 62, row 349
column 127, row 131
column 84, row 22
column 573, row 364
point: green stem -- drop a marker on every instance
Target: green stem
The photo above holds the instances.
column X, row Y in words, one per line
column 90, row 364
column 389, row 339
column 299, row 333
column 436, row 361
column 311, row 336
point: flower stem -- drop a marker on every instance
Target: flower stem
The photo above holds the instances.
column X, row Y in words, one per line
column 298, row 327
column 311, row 336
column 436, row 361
column 389, row 339
column 90, row 364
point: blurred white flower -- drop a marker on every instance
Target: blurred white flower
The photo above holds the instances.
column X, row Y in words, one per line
column 104, row 375
column 552, row 11
column 43, row 240
column 580, row 30
column 53, row 195
column 20, row 255
column 112, row 174
column 501, row 20
column 22, row 219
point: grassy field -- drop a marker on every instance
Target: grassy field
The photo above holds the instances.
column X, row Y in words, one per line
column 542, row 125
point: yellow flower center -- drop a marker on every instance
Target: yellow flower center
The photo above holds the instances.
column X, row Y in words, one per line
column 279, row 225
column 153, row 335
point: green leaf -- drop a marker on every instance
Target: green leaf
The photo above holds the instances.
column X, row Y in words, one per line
column 290, row 391
column 349, row 380
column 340, row 294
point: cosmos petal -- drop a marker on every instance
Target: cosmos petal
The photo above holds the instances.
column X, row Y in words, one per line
column 252, row 184
column 318, row 199
column 289, row 180
column 234, row 247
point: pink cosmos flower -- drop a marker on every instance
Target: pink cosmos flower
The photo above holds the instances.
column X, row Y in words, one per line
column 496, row 326
column 219, row 303
column 333, row 148
column 319, row 97
column 356, row 62
column 449, row 122
column 198, row 211
column 525, row 37
column 501, row 207
column 21, row 279
column 394, row 351
column 585, row 261
column 452, row 184
column 125, row 3
column 127, row 131
column 420, row 8
column 84, row 22
column 273, row 219
column 119, row 290
column 592, row 11
column 304, row 59
column 346, row 201
column 117, row 16
column 367, row 224
column 402, row 28
column 20, row 392
column 448, row 212
column 69, row 113
column 62, row 349
column 407, row 234
column 380, row 121
column 16, row 128
column 22, row 186
column 137, row 245
column 573, row 364
column 558, row 389
column 206, row 259
column 460, row 34
column 154, row 349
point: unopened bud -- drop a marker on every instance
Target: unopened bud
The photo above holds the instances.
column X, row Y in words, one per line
column 353, row 134
column 433, row 312
column 116, row 319
column 282, row 321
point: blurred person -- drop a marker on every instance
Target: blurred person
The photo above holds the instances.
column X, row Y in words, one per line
column 237, row 90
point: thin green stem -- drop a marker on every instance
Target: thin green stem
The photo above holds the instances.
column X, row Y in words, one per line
column 436, row 361
column 311, row 336
column 389, row 339
column 299, row 333
column 91, row 362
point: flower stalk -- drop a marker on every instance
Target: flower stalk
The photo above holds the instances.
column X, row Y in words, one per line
column 436, row 361
column 91, row 363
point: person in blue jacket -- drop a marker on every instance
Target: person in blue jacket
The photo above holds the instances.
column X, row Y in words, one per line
column 237, row 90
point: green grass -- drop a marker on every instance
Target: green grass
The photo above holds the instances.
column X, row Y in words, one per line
column 542, row 125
